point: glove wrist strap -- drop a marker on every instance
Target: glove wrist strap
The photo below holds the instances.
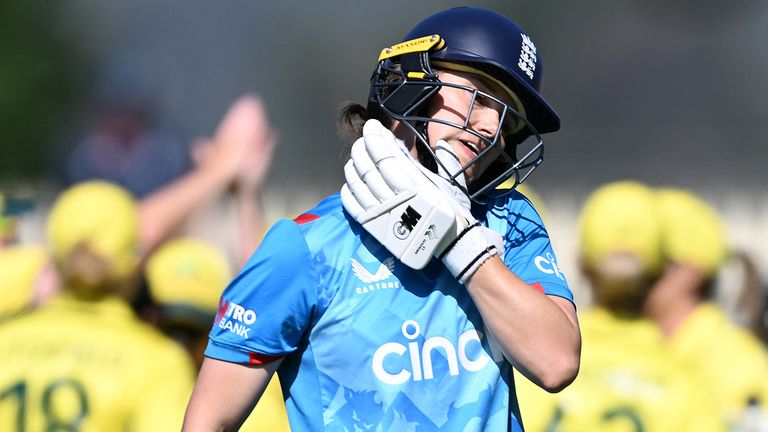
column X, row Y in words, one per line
column 467, row 252
column 453, row 243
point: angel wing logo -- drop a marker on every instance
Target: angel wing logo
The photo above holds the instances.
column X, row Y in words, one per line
column 384, row 271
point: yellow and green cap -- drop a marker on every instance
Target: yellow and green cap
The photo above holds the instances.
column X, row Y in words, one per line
column 693, row 232
column 621, row 217
column 101, row 216
column 188, row 272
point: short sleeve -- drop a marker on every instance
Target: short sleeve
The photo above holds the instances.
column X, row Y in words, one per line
column 268, row 307
column 535, row 263
column 529, row 252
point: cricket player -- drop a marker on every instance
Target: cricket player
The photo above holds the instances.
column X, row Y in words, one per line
column 186, row 277
column 84, row 361
column 629, row 380
column 402, row 302
column 21, row 267
column 696, row 328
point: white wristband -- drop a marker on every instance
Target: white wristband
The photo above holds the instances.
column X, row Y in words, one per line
column 468, row 252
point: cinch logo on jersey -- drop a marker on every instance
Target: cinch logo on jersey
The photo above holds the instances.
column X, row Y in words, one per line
column 379, row 280
column 548, row 265
column 233, row 317
column 419, row 357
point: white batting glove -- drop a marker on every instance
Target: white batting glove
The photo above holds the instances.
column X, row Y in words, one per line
column 466, row 255
column 413, row 212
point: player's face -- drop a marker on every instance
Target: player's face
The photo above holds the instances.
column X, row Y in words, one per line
column 453, row 105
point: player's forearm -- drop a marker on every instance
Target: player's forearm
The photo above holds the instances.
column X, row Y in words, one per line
column 251, row 222
column 194, row 421
column 540, row 335
column 204, row 414
column 166, row 209
column 224, row 395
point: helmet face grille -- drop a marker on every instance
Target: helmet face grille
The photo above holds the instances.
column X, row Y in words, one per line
column 493, row 43
column 407, row 100
column 491, row 47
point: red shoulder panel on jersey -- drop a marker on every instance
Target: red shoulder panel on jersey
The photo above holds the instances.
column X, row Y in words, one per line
column 538, row 287
column 261, row 359
column 306, row 217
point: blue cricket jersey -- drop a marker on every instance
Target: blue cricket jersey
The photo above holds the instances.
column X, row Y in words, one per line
column 369, row 343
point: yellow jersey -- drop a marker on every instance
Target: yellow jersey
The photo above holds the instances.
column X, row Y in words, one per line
column 269, row 415
column 628, row 381
column 729, row 356
column 20, row 267
column 90, row 366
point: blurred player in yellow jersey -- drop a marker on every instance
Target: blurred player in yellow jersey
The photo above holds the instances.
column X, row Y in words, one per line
column 628, row 381
column 7, row 223
column 236, row 157
column 696, row 327
column 84, row 361
column 186, row 277
column 20, row 266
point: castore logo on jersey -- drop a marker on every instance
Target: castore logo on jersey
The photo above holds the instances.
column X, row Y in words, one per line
column 376, row 281
column 234, row 318
column 421, row 357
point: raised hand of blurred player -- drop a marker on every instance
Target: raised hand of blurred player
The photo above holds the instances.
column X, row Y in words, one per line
column 246, row 189
column 242, row 137
column 413, row 212
column 255, row 165
column 220, row 163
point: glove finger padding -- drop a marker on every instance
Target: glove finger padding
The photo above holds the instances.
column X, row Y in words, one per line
column 368, row 171
column 350, row 203
column 397, row 166
column 402, row 171
column 413, row 212
column 386, row 193
column 358, row 188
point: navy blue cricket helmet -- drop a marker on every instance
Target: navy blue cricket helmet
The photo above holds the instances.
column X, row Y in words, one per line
column 484, row 43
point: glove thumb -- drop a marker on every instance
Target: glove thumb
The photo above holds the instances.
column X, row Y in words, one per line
column 449, row 167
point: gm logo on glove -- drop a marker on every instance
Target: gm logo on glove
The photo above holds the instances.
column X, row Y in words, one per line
column 409, row 219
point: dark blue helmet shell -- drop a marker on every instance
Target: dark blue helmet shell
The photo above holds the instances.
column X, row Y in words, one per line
column 488, row 45
column 497, row 45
